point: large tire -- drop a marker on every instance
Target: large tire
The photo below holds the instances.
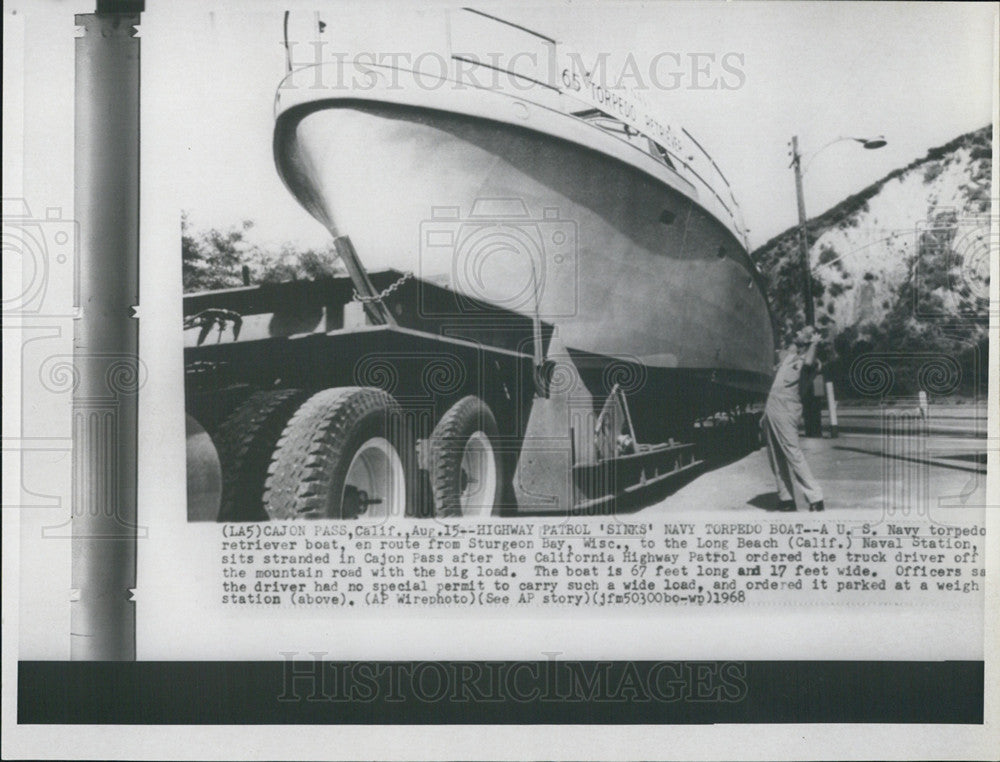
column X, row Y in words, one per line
column 345, row 453
column 466, row 467
column 204, row 473
column 245, row 442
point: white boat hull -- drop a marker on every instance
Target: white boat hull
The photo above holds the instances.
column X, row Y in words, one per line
column 622, row 264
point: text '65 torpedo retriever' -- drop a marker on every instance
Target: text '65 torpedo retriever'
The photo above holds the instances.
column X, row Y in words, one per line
column 541, row 279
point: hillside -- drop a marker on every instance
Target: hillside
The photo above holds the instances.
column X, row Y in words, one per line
column 900, row 267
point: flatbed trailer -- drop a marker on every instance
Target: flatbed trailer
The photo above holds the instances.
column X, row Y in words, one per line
column 383, row 394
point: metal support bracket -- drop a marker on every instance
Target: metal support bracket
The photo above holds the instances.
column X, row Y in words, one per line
column 375, row 308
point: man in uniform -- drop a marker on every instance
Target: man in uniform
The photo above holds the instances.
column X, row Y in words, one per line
column 781, row 424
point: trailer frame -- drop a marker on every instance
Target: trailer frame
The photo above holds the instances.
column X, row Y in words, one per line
column 563, row 450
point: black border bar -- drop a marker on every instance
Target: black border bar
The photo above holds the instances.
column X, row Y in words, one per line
column 318, row 692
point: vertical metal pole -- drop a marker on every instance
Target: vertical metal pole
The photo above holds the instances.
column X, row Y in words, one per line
column 810, row 408
column 537, row 350
column 375, row 308
column 807, row 299
column 106, row 335
column 831, row 404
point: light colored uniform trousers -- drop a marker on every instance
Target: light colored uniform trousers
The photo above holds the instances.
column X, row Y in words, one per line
column 781, row 432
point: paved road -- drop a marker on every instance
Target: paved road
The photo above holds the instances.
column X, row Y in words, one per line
column 950, row 420
column 863, row 476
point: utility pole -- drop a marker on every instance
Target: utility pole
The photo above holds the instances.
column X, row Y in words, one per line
column 811, row 407
column 807, row 299
column 811, row 414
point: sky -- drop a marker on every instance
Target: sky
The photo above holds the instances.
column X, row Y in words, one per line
column 917, row 73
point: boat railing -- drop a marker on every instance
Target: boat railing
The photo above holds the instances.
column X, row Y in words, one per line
column 569, row 86
column 673, row 160
column 718, row 170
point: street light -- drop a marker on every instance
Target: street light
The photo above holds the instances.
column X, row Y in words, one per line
column 811, row 408
column 872, row 143
column 868, row 143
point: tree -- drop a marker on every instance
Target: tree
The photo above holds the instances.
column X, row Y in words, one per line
column 214, row 259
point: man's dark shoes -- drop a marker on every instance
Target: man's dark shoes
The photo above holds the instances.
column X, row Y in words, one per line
column 786, row 506
column 817, row 506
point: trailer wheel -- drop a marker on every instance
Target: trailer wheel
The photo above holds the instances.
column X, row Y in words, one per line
column 466, row 470
column 246, row 440
column 204, row 474
column 342, row 455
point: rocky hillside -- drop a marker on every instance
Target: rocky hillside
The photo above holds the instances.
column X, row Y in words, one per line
column 901, row 267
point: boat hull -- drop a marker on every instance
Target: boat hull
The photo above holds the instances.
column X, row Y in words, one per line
column 623, row 265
